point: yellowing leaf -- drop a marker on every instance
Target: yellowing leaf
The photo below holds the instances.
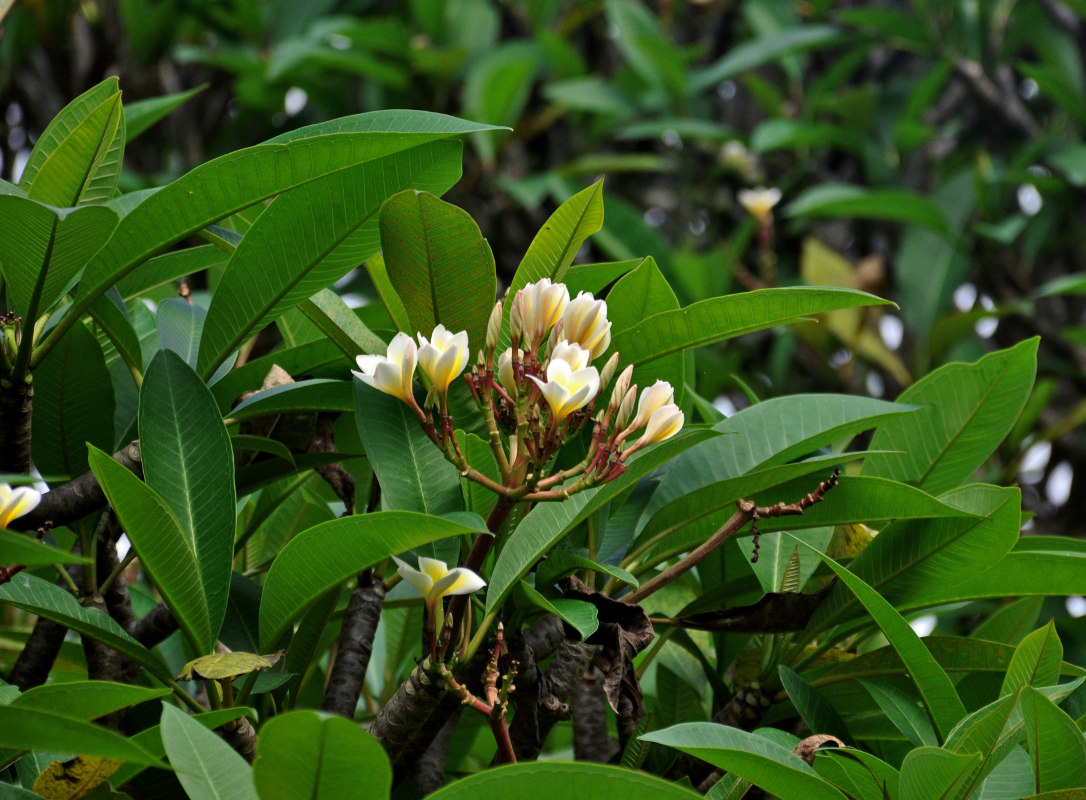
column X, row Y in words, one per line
column 227, row 665
column 67, row 780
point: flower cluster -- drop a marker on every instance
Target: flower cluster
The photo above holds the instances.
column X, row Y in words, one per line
column 539, row 392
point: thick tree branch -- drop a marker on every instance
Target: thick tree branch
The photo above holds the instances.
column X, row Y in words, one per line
column 16, row 407
column 355, row 647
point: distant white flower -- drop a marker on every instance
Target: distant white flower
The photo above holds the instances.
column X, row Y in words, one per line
column 391, row 373
column 434, row 579
column 566, row 390
column 541, row 306
column 759, row 202
column 14, row 503
column 444, row 356
column 585, row 322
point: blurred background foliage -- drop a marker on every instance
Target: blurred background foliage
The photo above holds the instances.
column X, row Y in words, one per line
column 930, row 151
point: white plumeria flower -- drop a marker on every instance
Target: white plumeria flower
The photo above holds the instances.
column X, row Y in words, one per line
column 585, row 322
column 541, row 306
column 444, row 356
column 391, row 373
column 14, row 503
column 759, row 202
column 572, row 353
column 566, row 390
column 434, row 579
column 505, row 372
column 652, row 399
column 664, row 423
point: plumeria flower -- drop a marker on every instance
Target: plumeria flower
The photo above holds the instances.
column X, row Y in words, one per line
column 541, row 306
column 652, row 399
column 759, row 202
column 443, row 356
column 14, row 503
column 391, row 373
column 505, row 372
column 572, row 353
column 585, row 322
column 434, row 580
column 566, row 390
column 664, row 423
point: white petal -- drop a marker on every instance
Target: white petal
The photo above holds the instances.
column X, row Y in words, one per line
column 459, row 581
column 423, row 583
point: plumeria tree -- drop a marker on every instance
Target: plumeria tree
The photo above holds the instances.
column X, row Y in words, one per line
column 218, row 594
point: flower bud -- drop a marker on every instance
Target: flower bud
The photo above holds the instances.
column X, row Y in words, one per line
column 664, row 423
column 505, row 372
column 622, row 385
column 516, row 321
column 541, row 306
column 626, row 408
column 585, row 322
column 494, row 328
column 657, row 395
column 608, row 370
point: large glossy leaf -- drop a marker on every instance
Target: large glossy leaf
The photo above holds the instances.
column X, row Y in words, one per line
column 328, row 554
column 638, row 295
column 78, row 157
column 554, row 247
column 85, row 700
column 938, row 694
column 414, row 474
column 235, row 181
column 19, row 548
column 141, row 115
column 720, row 318
column 856, row 202
column 310, row 237
column 931, row 772
column 33, row 729
column 318, row 394
column 917, row 562
column 50, row 601
column 171, row 266
column 339, row 323
column 770, row 433
column 188, row 461
column 207, row 766
column 42, row 249
column 1056, row 746
column 816, row 711
column 165, row 548
column 301, row 754
column 179, row 327
column 1036, row 661
column 557, row 779
column 990, row 732
column 73, row 405
column 754, row 758
column 547, row 523
column 857, row 773
column 906, row 715
column 967, row 410
column 440, row 265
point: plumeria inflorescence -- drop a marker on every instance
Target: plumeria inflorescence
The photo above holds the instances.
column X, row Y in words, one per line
column 537, row 394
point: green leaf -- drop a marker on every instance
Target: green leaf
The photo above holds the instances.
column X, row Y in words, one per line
column 171, row 267
column 285, row 257
column 179, row 327
column 50, row 601
column 77, row 158
column 497, row 86
column 937, row 693
column 764, row 49
column 1011, row 623
column 207, row 767
column 820, row 716
column 580, row 615
column 323, row 758
column 1056, row 746
column 339, row 323
column 227, row 665
column 931, row 772
column 721, row 318
column 440, row 265
column 318, row 394
column 141, row 115
column 555, row 246
column 967, row 410
column 34, row 729
column 857, row 773
column 990, row 732
column 854, row 202
column 238, row 180
column 375, row 266
column 412, row 470
column 19, row 548
column 328, row 554
column 754, row 758
column 547, row 523
column 639, row 295
column 594, row 278
column 902, row 711
column 85, row 700
column 73, row 405
column 557, row 779
column 42, row 249
column 188, row 461
column 1036, row 661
